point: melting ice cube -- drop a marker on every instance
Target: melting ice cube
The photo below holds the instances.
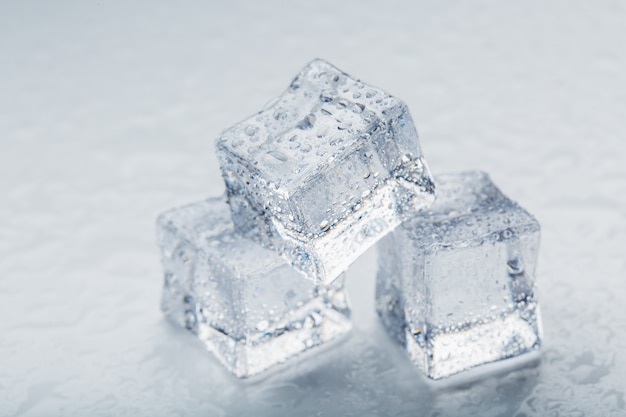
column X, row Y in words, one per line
column 324, row 171
column 456, row 283
column 245, row 303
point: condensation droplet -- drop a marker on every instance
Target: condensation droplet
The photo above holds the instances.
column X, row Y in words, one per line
column 358, row 108
column 342, row 103
column 307, row 122
column 251, row 130
column 344, row 125
column 327, row 95
column 280, row 114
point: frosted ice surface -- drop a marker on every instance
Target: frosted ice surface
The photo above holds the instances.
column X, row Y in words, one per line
column 324, row 171
column 456, row 284
column 245, row 303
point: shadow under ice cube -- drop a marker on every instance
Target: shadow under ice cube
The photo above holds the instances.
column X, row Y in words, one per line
column 245, row 303
column 324, row 171
column 456, row 284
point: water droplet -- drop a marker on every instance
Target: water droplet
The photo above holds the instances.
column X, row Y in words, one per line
column 327, row 95
column 280, row 114
column 324, row 225
column 307, row 122
column 237, row 143
column 342, row 103
column 191, row 321
column 305, row 148
column 344, row 125
column 358, row 108
column 369, row 116
column 251, row 130
column 295, row 84
column 516, row 266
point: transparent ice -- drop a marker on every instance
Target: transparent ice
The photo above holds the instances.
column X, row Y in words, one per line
column 324, row 171
column 456, row 284
column 245, row 303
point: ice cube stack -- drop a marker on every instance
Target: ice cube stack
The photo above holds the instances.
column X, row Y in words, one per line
column 322, row 173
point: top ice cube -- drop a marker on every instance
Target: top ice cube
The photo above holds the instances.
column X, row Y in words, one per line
column 324, row 171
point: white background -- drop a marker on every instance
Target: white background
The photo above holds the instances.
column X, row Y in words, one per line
column 108, row 113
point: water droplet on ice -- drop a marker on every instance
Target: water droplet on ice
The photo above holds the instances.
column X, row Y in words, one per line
column 358, row 108
column 307, row 122
column 251, row 130
column 327, row 96
column 280, row 114
column 344, row 125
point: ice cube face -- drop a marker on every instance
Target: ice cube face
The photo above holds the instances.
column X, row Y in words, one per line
column 324, row 171
column 245, row 303
column 456, row 284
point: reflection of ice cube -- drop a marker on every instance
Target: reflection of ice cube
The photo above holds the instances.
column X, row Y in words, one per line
column 324, row 171
column 456, row 284
column 248, row 306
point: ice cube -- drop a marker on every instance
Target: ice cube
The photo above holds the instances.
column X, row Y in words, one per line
column 245, row 303
column 324, row 171
column 456, row 284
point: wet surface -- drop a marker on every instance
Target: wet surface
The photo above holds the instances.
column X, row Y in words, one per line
column 108, row 116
